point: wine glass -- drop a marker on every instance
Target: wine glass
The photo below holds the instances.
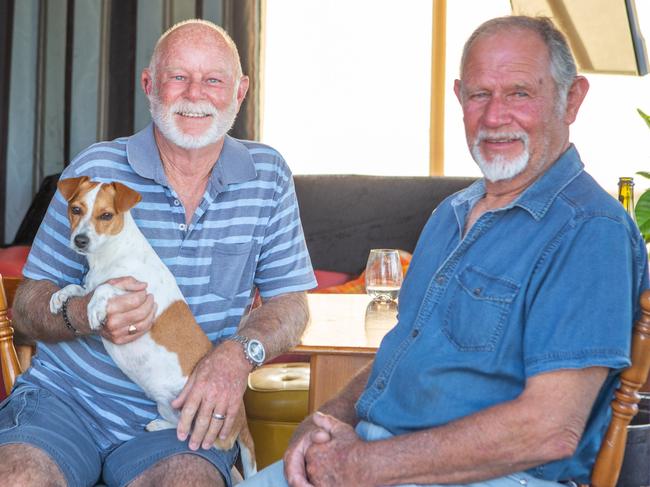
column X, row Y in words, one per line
column 383, row 274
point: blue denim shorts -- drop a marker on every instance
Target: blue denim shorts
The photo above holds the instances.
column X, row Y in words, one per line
column 35, row 416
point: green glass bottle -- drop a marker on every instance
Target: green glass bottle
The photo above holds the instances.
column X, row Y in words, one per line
column 626, row 195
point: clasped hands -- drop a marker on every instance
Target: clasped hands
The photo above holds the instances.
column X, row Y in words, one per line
column 328, row 453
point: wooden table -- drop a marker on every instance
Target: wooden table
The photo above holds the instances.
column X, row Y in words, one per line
column 342, row 336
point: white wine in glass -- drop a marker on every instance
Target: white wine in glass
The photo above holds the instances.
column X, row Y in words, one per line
column 383, row 274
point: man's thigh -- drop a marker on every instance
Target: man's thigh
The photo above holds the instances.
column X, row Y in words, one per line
column 158, row 458
column 273, row 476
column 33, row 418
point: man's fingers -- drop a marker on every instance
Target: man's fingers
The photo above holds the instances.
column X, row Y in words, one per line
column 320, row 436
column 127, row 283
column 201, row 424
column 325, row 421
column 294, row 465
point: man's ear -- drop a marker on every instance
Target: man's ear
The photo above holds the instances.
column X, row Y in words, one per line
column 125, row 197
column 457, row 88
column 575, row 97
column 146, row 81
column 242, row 89
column 68, row 187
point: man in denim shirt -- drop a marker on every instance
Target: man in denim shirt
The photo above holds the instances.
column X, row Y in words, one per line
column 515, row 316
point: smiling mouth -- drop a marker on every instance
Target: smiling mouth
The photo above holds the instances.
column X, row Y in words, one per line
column 193, row 114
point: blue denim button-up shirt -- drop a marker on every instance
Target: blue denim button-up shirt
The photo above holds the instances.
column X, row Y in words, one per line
column 549, row 282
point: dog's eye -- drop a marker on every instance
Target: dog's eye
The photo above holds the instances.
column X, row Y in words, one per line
column 106, row 216
column 75, row 210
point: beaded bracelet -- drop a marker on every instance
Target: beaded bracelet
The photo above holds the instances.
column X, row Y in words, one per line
column 66, row 319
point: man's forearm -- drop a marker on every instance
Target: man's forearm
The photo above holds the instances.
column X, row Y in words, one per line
column 342, row 405
column 278, row 323
column 534, row 429
column 33, row 320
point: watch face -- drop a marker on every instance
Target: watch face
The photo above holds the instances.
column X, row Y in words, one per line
column 256, row 351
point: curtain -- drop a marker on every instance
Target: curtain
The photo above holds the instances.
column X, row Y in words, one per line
column 243, row 21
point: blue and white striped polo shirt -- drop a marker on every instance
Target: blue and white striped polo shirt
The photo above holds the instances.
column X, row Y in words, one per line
column 245, row 234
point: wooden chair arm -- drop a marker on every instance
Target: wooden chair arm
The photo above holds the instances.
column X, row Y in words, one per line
column 8, row 357
column 610, row 456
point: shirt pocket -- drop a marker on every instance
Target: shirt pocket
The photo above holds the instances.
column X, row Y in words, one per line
column 479, row 307
column 232, row 268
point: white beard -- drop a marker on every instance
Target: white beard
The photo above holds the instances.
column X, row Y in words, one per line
column 164, row 118
column 500, row 168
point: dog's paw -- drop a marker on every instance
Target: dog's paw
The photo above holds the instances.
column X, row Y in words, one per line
column 97, row 305
column 61, row 296
column 159, row 424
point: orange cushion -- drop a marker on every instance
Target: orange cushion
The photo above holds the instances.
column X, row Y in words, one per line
column 12, row 260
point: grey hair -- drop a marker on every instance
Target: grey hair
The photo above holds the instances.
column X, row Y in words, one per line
column 562, row 64
column 155, row 57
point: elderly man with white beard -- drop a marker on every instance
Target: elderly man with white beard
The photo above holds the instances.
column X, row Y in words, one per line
column 222, row 214
column 516, row 313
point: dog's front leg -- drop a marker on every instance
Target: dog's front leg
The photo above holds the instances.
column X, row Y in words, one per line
column 97, row 305
column 62, row 295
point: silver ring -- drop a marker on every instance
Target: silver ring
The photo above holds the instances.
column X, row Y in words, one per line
column 132, row 329
column 219, row 417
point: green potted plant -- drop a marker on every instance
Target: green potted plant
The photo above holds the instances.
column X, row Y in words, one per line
column 642, row 208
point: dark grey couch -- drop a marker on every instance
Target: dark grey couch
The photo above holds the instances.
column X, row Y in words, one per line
column 344, row 216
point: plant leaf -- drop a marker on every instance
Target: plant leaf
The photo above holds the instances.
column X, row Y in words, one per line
column 644, row 174
column 642, row 213
column 644, row 116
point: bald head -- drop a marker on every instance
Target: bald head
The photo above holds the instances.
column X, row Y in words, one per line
column 195, row 32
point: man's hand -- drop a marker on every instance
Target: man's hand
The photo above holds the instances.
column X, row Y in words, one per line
column 306, row 435
column 215, row 386
column 134, row 308
column 338, row 461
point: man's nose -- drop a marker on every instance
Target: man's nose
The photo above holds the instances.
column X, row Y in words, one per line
column 496, row 113
column 81, row 241
column 195, row 90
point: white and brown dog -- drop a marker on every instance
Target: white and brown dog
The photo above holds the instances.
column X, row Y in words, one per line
column 161, row 360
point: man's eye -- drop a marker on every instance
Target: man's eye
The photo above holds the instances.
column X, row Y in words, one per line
column 75, row 210
column 213, row 81
column 106, row 216
column 179, row 77
column 521, row 94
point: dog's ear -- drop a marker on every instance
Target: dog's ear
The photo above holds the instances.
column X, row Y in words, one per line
column 68, row 187
column 125, row 197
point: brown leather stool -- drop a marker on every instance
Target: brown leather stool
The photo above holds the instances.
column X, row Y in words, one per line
column 276, row 402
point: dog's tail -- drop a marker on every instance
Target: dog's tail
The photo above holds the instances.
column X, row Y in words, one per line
column 247, row 451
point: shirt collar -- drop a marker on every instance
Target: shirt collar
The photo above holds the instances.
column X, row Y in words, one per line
column 235, row 164
column 537, row 198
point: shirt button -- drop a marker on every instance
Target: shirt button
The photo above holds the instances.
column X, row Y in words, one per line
column 381, row 385
column 415, row 333
column 177, row 203
column 182, row 227
column 477, row 291
column 440, row 279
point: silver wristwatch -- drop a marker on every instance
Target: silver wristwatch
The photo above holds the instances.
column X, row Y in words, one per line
column 253, row 349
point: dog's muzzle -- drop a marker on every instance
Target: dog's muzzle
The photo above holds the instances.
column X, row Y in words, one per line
column 81, row 241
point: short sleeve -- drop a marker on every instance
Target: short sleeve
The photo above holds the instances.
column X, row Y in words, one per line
column 581, row 301
column 51, row 256
column 284, row 265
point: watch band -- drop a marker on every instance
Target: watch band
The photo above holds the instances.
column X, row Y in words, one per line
column 244, row 343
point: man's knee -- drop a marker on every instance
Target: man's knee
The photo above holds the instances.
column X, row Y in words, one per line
column 27, row 465
column 183, row 469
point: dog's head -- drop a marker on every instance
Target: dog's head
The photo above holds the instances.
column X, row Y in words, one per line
column 96, row 211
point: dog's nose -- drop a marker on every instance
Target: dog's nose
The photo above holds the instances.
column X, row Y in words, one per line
column 81, row 241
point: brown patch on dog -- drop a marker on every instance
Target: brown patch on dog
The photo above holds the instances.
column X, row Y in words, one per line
column 74, row 191
column 177, row 331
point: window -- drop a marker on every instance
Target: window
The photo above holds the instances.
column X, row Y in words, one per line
column 347, row 85
column 347, row 90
